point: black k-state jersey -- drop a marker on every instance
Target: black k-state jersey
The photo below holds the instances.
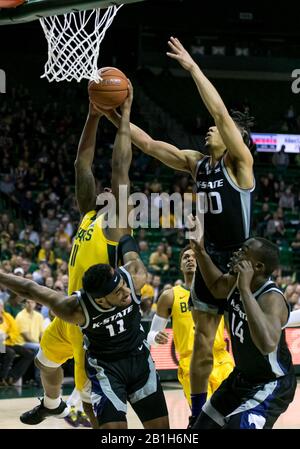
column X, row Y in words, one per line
column 114, row 333
column 248, row 359
column 226, row 207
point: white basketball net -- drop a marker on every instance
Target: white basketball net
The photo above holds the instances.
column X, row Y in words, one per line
column 74, row 42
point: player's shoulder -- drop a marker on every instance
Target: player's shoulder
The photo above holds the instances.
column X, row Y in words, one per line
column 88, row 217
column 167, row 296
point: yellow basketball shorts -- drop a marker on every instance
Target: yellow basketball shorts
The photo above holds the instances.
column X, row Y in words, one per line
column 223, row 365
column 184, row 377
column 62, row 341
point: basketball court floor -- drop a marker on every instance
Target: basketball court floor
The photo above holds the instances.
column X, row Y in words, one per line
column 14, row 401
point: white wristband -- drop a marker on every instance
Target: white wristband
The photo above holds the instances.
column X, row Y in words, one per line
column 158, row 324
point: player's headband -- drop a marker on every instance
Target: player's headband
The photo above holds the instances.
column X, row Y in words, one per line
column 108, row 287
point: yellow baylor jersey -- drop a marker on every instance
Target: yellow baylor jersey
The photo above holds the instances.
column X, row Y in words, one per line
column 183, row 327
column 183, row 334
column 182, row 322
column 90, row 247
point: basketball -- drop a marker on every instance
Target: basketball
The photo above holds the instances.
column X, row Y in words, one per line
column 10, row 3
column 111, row 91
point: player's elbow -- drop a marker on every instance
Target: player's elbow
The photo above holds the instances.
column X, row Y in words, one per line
column 148, row 145
column 267, row 346
column 80, row 165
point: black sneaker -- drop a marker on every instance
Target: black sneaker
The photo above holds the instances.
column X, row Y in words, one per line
column 39, row 413
column 192, row 420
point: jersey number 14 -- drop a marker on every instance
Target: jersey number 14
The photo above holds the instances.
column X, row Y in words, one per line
column 237, row 328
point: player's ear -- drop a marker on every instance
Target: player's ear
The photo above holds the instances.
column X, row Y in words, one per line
column 259, row 266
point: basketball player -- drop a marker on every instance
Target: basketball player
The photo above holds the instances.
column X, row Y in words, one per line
column 174, row 303
column 263, row 382
column 92, row 244
column 225, row 183
column 107, row 309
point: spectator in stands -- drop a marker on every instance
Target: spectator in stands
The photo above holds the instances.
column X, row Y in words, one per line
column 12, row 230
column 28, row 206
column 7, row 185
column 287, row 199
column 68, row 226
column 14, row 303
column 281, row 160
column 144, row 251
column 159, row 261
column 25, row 246
column 46, row 254
column 156, row 285
column 10, row 373
column 59, row 286
column 62, row 249
column 146, row 307
column 274, row 225
column 30, row 324
column 262, row 218
column 51, row 222
column 290, row 289
column 265, row 189
column 33, row 236
column 294, row 299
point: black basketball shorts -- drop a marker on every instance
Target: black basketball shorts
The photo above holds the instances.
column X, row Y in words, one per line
column 133, row 379
column 201, row 298
column 241, row 404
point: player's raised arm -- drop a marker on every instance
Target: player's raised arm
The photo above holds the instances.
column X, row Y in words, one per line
column 229, row 131
column 66, row 308
column 122, row 151
column 218, row 283
column 129, row 254
column 173, row 157
column 84, row 179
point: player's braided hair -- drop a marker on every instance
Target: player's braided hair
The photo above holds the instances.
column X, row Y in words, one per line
column 244, row 122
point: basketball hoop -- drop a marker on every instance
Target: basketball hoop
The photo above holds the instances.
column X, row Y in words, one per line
column 74, row 42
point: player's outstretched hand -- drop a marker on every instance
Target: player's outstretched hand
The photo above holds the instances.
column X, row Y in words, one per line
column 180, row 54
column 196, row 232
column 162, row 338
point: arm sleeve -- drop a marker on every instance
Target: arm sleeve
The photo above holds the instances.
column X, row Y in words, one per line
column 158, row 324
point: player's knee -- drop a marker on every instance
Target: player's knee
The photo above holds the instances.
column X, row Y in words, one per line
column 45, row 369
